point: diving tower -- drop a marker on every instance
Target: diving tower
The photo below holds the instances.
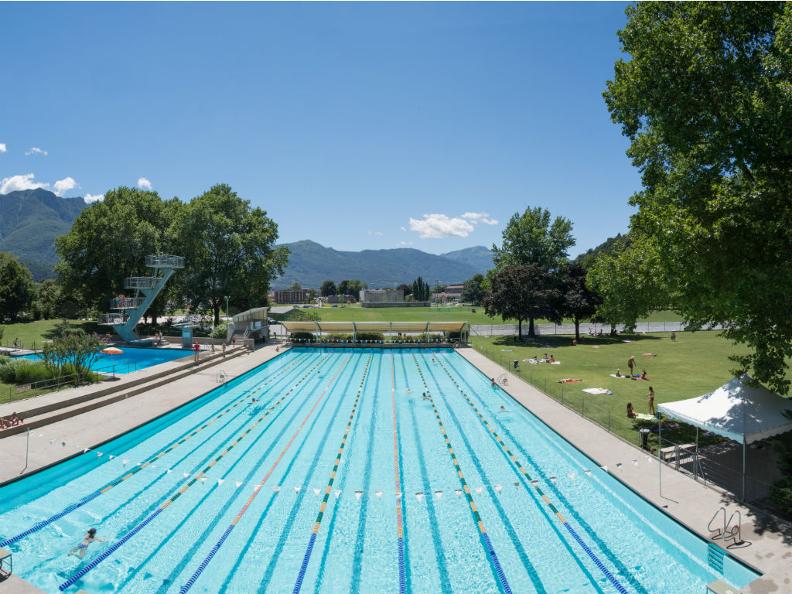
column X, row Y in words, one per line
column 127, row 311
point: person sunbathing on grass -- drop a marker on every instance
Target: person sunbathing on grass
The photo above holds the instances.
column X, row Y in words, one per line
column 551, row 359
column 643, row 375
column 618, row 372
column 630, row 411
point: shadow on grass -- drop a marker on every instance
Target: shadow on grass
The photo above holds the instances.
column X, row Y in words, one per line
column 87, row 326
column 561, row 341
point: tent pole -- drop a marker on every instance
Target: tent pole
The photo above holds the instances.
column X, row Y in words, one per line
column 659, row 461
column 695, row 461
column 743, row 472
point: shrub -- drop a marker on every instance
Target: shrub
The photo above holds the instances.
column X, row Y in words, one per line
column 302, row 336
column 220, row 331
column 369, row 336
column 23, row 371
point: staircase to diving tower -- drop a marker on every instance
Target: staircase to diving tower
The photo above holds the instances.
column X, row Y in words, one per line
column 127, row 311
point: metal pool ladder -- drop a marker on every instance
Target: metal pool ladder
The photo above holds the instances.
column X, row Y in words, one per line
column 730, row 530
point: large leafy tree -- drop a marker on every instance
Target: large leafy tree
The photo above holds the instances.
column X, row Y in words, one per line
column 230, row 251
column 705, row 101
column 579, row 301
column 474, row 289
column 524, row 293
column 327, row 289
column 534, row 237
column 109, row 241
column 628, row 282
column 16, row 286
column 421, row 290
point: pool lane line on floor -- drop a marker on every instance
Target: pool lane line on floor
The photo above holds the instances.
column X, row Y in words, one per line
column 344, row 472
column 219, row 514
column 288, row 524
column 186, row 436
column 397, row 482
column 634, row 582
column 191, row 581
column 363, row 507
column 483, row 536
column 164, row 505
column 528, row 565
column 521, row 468
column 265, row 513
column 328, row 489
column 294, row 390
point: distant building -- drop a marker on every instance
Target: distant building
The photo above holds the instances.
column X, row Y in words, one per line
column 291, row 296
column 452, row 293
column 386, row 298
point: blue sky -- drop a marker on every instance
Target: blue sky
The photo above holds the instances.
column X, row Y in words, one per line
column 361, row 126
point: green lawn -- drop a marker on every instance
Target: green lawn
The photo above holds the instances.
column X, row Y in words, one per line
column 473, row 315
column 693, row 365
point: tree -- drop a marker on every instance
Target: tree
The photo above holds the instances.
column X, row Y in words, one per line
column 421, row 290
column 230, row 250
column 48, row 300
column 108, row 242
column 71, row 348
column 534, row 238
column 580, row 301
column 295, row 286
column 524, row 293
column 473, row 290
column 406, row 288
column 628, row 281
column 327, row 289
column 351, row 287
column 16, row 286
column 704, row 100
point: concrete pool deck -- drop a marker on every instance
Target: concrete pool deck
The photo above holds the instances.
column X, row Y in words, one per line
column 687, row 501
column 97, row 426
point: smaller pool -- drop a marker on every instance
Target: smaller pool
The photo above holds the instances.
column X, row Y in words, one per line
column 132, row 359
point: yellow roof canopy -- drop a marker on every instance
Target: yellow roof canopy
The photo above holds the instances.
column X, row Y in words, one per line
column 355, row 327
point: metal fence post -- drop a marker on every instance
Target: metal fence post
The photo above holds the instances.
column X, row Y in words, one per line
column 583, row 406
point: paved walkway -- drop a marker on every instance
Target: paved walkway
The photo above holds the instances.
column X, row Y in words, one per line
column 689, row 502
column 60, row 440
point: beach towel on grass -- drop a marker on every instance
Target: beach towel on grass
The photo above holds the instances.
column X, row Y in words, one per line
column 620, row 376
column 597, row 391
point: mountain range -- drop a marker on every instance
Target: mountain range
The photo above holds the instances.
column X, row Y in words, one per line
column 311, row 263
column 30, row 220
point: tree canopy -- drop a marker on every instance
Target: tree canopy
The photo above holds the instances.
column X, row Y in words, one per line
column 704, row 100
column 534, row 237
column 16, row 286
column 474, row 289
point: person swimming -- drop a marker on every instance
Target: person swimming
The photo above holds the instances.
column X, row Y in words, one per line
column 90, row 537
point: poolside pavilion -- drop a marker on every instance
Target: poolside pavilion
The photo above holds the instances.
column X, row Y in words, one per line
column 393, row 330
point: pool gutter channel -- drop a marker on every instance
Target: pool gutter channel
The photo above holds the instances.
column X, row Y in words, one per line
column 99, row 398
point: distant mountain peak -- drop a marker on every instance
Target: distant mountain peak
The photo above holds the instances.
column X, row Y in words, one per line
column 311, row 263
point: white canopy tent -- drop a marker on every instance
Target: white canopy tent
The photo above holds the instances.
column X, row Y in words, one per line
column 738, row 410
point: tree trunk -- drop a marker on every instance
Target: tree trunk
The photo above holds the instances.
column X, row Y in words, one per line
column 531, row 329
column 519, row 330
column 216, row 308
column 577, row 329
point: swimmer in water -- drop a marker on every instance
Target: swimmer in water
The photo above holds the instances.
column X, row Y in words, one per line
column 80, row 549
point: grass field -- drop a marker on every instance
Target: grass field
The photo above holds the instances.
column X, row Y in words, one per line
column 473, row 315
column 693, row 365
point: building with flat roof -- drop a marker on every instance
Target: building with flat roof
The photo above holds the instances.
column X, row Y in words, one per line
column 291, row 295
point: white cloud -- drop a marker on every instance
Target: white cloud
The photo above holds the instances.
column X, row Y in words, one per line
column 26, row 181
column 144, row 183
column 375, row 233
column 91, row 198
column 479, row 217
column 405, row 243
column 3, row 147
column 36, row 151
column 438, row 226
column 403, row 228
column 62, row 186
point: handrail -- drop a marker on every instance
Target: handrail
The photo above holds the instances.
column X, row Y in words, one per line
column 718, row 531
column 735, row 533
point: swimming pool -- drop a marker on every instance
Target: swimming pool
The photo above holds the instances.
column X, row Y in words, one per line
column 327, row 470
column 131, row 359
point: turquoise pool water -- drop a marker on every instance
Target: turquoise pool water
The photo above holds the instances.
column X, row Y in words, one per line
column 330, row 471
column 130, row 360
